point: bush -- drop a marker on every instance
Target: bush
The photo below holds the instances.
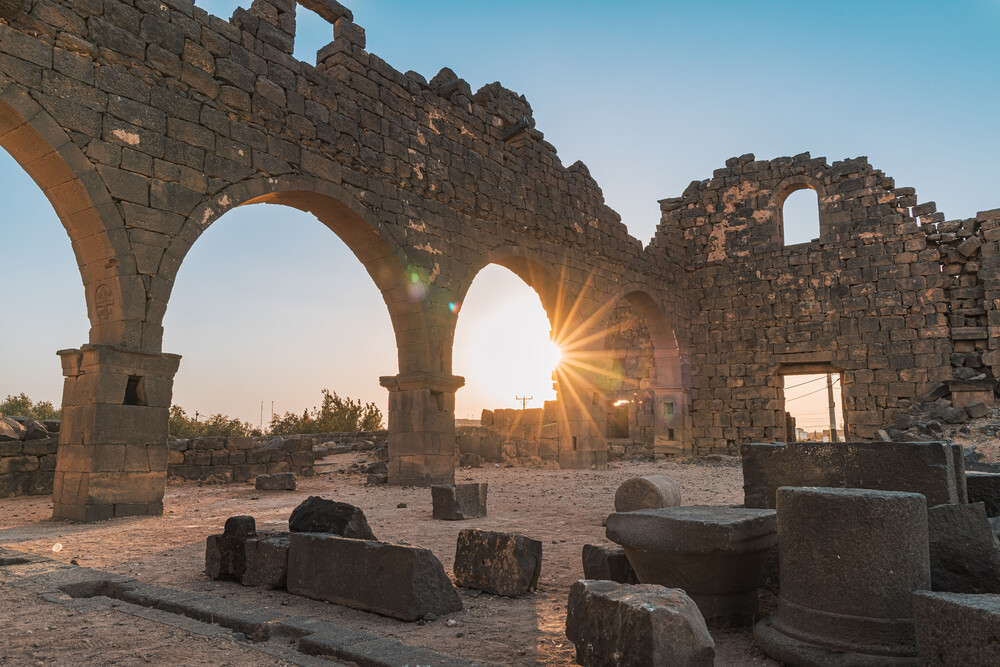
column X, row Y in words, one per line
column 335, row 415
column 22, row 406
column 218, row 425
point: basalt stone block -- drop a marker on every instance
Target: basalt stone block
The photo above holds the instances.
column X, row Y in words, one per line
column 497, row 563
column 318, row 515
column 606, row 563
column 225, row 554
column 613, row 624
column 266, row 558
column 715, row 554
column 392, row 580
column 455, row 502
column 647, row 493
column 954, row 629
column 851, row 560
column 934, row 469
column 965, row 554
column 985, row 488
column 281, row 481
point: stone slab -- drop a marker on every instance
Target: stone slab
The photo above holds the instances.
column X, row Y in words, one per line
column 392, row 580
column 955, row 629
column 607, row 563
column 456, row 502
column 964, row 551
column 505, row 564
column 985, row 488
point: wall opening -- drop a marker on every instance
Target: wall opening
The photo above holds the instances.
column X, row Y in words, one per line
column 807, row 407
column 269, row 309
column 800, row 216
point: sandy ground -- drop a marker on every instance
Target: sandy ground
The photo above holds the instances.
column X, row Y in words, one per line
column 563, row 509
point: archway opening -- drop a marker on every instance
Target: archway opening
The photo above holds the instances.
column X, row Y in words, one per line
column 269, row 309
column 800, row 216
column 503, row 346
column 45, row 303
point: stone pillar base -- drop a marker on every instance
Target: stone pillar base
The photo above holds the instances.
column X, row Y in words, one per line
column 422, row 448
column 112, row 457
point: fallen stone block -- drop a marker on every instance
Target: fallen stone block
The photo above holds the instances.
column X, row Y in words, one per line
column 377, row 480
column 225, row 554
column 318, row 515
column 497, row 563
column 607, row 563
column 455, row 502
column 933, row 469
column 613, row 624
column 471, row 460
column 964, row 552
column 956, row 629
column 266, row 558
column 392, row 580
column 715, row 554
column 281, row 481
column 985, row 488
column 647, row 493
column 977, row 410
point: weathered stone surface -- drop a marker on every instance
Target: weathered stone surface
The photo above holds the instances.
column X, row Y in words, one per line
column 497, row 563
column 225, row 554
column 318, row 515
column 965, row 554
column 613, row 624
column 10, row 430
column 281, row 481
column 715, row 554
column 933, row 469
column 401, row 582
column 985, row 488
column 954, row 629
column 607, row 563
column 266, row 560
column 851, row 560
column 455, row 502
column 647, row 493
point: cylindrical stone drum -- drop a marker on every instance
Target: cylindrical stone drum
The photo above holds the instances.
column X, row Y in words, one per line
column 850, row 561
column 647, row 493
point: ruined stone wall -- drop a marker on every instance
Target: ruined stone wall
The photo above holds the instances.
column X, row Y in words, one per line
column 227, row 460
column 867, row 299
column 27, row 467
column 891, row 296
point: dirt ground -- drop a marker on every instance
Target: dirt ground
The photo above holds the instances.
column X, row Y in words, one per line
column 563, row 509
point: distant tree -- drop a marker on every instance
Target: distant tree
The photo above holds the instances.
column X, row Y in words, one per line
column 22, row 406
column 218, row 425
column 335, row 415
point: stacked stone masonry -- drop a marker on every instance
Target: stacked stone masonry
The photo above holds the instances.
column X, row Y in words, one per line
column 225, row 460
column 145, row 121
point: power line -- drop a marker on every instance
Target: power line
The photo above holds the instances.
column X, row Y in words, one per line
column 802, row 384
column 789, row 400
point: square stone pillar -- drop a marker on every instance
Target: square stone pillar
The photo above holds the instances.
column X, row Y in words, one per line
column 422, row 448
column 112, row 457
column 672, row 435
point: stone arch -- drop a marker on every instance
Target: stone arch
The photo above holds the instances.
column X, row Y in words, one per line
column 114, row 293
column 338, row 210
column 667, row 398
column 785, row 188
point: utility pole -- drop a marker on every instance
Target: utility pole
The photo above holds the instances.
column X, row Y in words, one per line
column 524, row 400
column 833, row 408
column 261, row 426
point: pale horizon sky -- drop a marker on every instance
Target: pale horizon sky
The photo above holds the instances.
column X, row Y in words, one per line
column 270, row 305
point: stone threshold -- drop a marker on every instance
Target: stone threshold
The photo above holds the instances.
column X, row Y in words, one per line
column 300, row 640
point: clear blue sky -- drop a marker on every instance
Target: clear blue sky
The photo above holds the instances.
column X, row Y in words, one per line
column 650, row 95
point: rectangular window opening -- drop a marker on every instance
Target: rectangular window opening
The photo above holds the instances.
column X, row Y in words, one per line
column 134, row 395
column 808, row 407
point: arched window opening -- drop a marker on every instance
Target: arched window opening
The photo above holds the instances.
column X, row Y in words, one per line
column 269, row 309
column 800, row 216
column 630, row 401
column 46, row 307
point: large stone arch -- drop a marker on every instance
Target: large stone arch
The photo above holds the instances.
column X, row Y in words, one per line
column 580, row 414
column 78, row 194
column 666, row 398
column 339, row 211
